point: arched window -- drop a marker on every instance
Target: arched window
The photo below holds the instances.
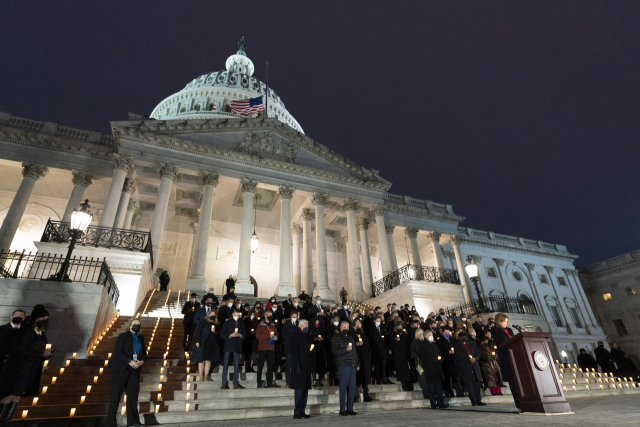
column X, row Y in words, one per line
column 227, row 108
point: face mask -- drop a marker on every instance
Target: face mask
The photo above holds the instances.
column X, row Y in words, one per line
column 430, row 338
column 305, row 330
column 267, row 320
column 447, row 334
column 319, row 302
column 135, row 328
column 230, row 305
column 442, row 312
column 208, row 304
column 346, row 307
column 252, row 316
column 274, row 308
column 317, row 325
column 453, row 314
column 336, row 323
column 16, row 320
column 480, row 321
column 377, row 323
column 293, row 319
column 295, row 304
column 345, row 331
column 42, row 324
column 273, row 300
column 464, row 319
column 235, row 317
column 473, row 335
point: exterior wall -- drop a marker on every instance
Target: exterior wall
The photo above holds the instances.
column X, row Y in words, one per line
column 614, row 276
column 77, row 311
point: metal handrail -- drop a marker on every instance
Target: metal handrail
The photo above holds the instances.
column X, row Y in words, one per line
column 494, row 304
column 415, row 272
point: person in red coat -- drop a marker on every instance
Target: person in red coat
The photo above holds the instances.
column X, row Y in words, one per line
column 267, row 335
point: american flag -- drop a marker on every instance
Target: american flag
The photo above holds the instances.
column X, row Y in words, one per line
column 247, row 106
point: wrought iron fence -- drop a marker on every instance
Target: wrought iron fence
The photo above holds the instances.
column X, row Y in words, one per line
column 415, row 272
column 494, row 304
column 59, row 232
column 21, row 265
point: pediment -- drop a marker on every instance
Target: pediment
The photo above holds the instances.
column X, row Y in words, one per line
column 268, row 140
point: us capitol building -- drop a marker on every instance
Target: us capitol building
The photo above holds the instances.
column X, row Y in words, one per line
column 256, row 198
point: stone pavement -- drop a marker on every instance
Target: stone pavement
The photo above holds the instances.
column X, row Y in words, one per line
column 607, row 410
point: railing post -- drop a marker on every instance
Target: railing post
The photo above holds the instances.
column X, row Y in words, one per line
column 15, row 272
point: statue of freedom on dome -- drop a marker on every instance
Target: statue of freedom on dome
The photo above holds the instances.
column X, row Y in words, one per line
column 242, row 45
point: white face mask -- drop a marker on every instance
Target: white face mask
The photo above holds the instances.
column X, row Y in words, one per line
column 377, row 323
column 464, row 319
column 336, row 323
column 235, row 317
column 295, row 304
column 273, row 300
column 274, row 308
column 473, row 335
column 230, row 305
column 430, row 338
column 319, row 302
column 252, row 316
column 346, row 307
column 293, row 319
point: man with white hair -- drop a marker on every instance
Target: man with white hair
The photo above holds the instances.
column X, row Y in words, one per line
column 300, row 377
column 343, row 347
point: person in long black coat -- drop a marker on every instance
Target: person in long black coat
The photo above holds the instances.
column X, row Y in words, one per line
column 22, row 369
column 8, row 332
column 430, row 360
column 189, row 328
column 300, row 378
column 164, row 280
column 501, row 333
column 250, row 343
column 586, row 361
column 451, row 376
column 318, row 361
column 378, row 336
column 626, row 367
column 126, row 361
column 466, row 358
column 400, row 347
column 206, row 350
column 233, row 332
column 363, row 376
column 604, row 359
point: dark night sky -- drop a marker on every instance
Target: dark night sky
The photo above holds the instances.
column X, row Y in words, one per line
column 525, row 116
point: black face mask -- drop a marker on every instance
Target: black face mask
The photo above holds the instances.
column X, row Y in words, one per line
column 442, row 312
column 136, row 328
column 345, row 332
column 267, row 320
column 17, row 320
column 208, row 304
column 43, row 324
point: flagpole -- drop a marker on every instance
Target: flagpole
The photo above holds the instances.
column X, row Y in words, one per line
column 266, row 102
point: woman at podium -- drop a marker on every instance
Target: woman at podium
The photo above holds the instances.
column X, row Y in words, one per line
column 501, row 333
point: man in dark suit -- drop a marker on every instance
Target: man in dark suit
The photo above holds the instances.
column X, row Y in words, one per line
column 379, row 350
column 230, row 283
column 189, row 328
column 432, row 375
column 344, row 313
column 233, row 331
column 466, row 358
column 316, row 309
column 164, row 281
column 300, row 379
column 290, row 325
column 8, row 333
column 128, row 356
column 295, row 305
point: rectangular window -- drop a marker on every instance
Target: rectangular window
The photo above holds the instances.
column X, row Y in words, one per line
column 491, row 272
column 543, row 278
column 576, row 318
column 561, row 281
column 192, row 195
column 631, row 290
column 184, row 211
column 622, row 331
column 149, row 189
column 556, row 316
column 187, row 178
column 147, row 206
column 607, row 297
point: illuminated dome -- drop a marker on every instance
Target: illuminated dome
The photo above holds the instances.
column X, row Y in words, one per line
column 209, row 96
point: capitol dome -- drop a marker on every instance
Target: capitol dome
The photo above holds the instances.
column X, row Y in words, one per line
column 209, row 96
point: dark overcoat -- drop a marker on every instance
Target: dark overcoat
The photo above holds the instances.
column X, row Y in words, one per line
column 431, row 362
column 300, row 377
column 499, row 336
column 203, row 331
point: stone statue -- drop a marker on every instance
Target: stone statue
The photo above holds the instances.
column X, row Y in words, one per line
column 343, row 296
column 242, row 45
column 290, row 154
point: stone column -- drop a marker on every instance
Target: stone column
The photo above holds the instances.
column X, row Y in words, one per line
column 392, row 247
column 127, row 188
column 562, row 307
column 296, row 229
column 284, row 286
column 167, row 174
column 243, row 283
column 198, row 280
column 464, row 281
column 323, row 290
column 544, row 310
column 363, row 226
column 383, row 241
column 339, row 271
column 122, row 166
column 583, row 297
column 357, row 293
column 434, row 240
column 81, row 180
column 31, row 173
column 412, row 234
column 132, row 207
column 307, row 251
column 499, row 263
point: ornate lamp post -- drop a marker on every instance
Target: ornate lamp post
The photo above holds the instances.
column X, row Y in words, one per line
column 80, row 220
column 472, row 270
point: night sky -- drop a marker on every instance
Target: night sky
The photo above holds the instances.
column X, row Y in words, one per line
column 525, row 116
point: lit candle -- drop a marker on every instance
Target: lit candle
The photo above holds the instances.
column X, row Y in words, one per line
column 159, row 387
column 312, row 347
column 187, row 407
column 47, row 347
column 439, row 357
column 157, row 408
column 451, row 349
column 161, row 378
column 236, row 330
column 123, row 410
column 35, row 401
column 164, row 363
column 106, row 362
column 82, row 399
column 101, row 370
column 88, row 389
column 44, row 389
column 125, row 398
column 53, row 380
column 188, row 369
column 188, row 362
column 67, row 362
column 109, row 356
column 95, row 380
column 213, row 328
column 73, row 411
column 188, row 386
column 46, row 363
column 159, row 397
column 24, row 414
column 61, row 371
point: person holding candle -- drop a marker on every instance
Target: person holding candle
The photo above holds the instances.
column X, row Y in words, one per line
column 189, row 311
column 363, row 376
column 290, row 325
column 206, row 350
column 466, row 360
column 250, row 344
column 318, row 362
column 451, row 376
column 267, row 335
column 233, row 331
column 400, row 349
column 343, row 347
column 501, row 333
column 430, row 360
column 300, row 378
column 129, row 354
column 489, row 368
column 380, row 352
column 21, row 371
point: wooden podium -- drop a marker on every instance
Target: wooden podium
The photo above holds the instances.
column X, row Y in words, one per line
column 534, row 374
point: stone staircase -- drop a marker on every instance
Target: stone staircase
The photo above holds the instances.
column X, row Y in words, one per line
column 77, row 394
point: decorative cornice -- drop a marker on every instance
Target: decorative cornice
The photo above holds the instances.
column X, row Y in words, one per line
column 568, row 271
column 362, row 224
column 499, row 261
column 448, row 254
column 549, row 269
column 34, row 171
column 124, row 163
column 411, row 233
column 134, row 204
column 389, row 228
column 498, row 244
column 286, row 192
column 129, row 186
column 248, row 185
column 157, row 136
column 210, row 178
column 423, row 213
column 168, row 171
column 433, row 236
column 455, row 240
column 378, row 210
column 81, row 178
column 308, row 215
column 349, row 204
column 530, row 266
column 296, row 228
column 319, row 199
